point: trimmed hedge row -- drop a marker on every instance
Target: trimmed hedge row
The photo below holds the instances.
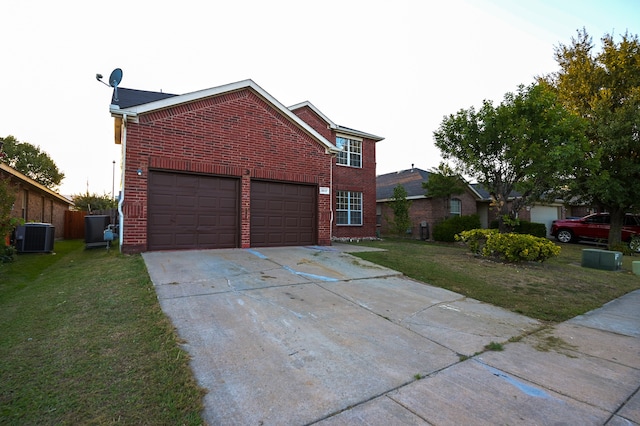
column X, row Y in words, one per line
column 526, row 227
column 510, row 247
column 446, row 230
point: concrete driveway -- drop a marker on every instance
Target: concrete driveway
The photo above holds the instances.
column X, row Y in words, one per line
column 314, row 335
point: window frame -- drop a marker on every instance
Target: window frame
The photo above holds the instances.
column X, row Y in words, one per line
column 458, row 203
column 351, row 149
column 353, row 199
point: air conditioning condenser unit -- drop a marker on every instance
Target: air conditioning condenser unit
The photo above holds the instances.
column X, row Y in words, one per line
column 35, row 238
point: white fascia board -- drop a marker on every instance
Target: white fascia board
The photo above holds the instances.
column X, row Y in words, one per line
column 173, row 101
column 332, row 125
column 413, row 197
column 26, row 179
column 358, row 133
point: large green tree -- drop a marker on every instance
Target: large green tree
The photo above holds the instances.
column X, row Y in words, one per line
column 604, row 88
column 31, row 161
column 528, row 143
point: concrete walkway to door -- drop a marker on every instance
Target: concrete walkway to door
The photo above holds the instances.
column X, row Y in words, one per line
column 308, row 335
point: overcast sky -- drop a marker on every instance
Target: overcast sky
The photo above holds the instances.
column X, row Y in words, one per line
column 391, row 68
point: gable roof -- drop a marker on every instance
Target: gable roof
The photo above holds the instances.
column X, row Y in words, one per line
column 163, row 101
column 411, row 179
column 23, row 178
column 480, row 189
column 132, row 97
column 334, row 126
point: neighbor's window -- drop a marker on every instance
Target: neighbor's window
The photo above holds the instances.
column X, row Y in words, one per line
column 456, row 207
column 351, row 154
column 349, row 208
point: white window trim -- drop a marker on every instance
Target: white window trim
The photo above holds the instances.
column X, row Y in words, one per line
column 349, row 210
column 353, row 138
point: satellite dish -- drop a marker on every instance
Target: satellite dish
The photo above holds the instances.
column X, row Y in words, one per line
column 115, row 78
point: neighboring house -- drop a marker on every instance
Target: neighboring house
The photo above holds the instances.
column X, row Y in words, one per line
column 539, row 212
column 425, row 211
column 232, row 167
column 428, row 211
column 35, row 202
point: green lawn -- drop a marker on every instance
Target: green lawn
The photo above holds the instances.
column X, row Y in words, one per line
column 84, row 341
column 553, row 291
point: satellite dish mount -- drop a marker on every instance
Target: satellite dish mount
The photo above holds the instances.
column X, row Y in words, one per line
column 114, row 79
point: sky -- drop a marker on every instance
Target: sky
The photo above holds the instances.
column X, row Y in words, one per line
column 391, row 68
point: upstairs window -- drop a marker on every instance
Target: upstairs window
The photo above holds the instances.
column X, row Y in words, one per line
column 455, row 207
column 349, row 208
column 351, row 154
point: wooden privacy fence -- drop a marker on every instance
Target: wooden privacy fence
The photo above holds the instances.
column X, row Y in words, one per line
column 74, row 222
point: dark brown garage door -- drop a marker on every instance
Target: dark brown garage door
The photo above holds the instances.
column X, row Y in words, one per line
column 282, row 214
column 192, row 212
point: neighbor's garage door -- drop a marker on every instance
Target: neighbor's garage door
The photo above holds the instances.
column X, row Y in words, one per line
column 544, row 214
column 192, row 212
column 282, row 214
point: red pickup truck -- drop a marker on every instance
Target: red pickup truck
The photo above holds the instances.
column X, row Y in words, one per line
column 595, row 227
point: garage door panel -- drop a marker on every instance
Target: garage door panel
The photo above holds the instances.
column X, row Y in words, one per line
column 227, row 203
column 184, row 220
column 282, row 214
column 276, row 205
column 306, row 223
column 192, row 211
column 227, row 221
column 185, row 201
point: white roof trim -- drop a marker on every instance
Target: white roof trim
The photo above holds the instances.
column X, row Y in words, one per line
column 316, row 110
column 134, row 111
column 34, row 183
column 335, row 126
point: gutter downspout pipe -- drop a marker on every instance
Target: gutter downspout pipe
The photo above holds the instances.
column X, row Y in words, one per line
column 124, row 162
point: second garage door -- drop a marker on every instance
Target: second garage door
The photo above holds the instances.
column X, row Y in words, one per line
column 283, row 214
column 192, row 211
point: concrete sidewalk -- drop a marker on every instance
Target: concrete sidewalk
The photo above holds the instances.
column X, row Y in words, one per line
column 314, row 335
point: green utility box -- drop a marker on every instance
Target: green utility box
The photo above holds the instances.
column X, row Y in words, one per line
column 635, row 265
column 602, row 259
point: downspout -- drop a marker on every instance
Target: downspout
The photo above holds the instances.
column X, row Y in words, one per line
column 124, row 162
column 333, row 155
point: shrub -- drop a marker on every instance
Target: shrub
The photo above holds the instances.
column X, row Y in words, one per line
column 525, row 227
column 447, row 229
column 531, row 228
column 7, row 253
column 510, row 247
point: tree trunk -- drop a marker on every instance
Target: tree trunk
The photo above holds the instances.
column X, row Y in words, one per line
column 615, row 229
column 503, row 225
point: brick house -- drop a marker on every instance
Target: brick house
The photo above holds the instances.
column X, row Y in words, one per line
column 232, row 167
column 425, row 211
column 428, row 211
column 538, row 213
column 35, row 202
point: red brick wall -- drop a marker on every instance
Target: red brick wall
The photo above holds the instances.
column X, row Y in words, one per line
column 53, row 211
column 307, row 115
column 350, row 179
column 427, row 210
column 235, row 134
column 359, row 180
